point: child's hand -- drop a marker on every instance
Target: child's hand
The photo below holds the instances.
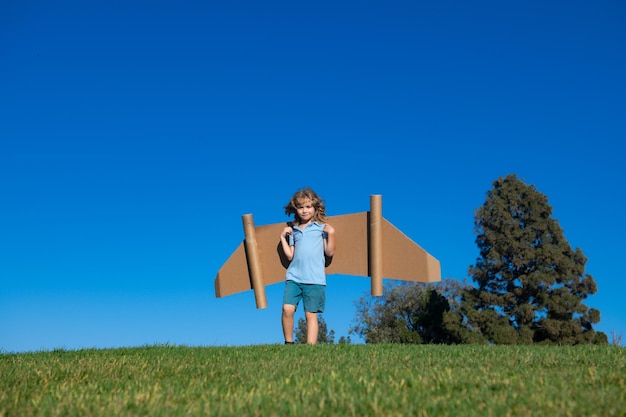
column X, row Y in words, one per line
column 286, row 232
column 329, row 240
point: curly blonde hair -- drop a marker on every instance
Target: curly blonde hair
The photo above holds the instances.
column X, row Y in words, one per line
column 297, row 199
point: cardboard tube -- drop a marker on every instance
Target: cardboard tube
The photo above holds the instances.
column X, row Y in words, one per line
column 376, row 244
column 254, row 261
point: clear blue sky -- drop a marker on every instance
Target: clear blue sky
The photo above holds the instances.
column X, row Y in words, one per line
column 134, row 136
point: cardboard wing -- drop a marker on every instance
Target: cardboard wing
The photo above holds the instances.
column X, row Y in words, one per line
column 366, row 245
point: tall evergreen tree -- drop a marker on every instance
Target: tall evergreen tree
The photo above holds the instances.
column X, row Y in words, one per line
column 530, row 283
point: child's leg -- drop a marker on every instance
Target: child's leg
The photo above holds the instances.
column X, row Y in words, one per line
column 314, row 297
column 287, row 319
column 312, row 328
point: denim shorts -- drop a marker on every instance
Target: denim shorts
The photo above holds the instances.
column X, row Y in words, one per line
column 313, row 296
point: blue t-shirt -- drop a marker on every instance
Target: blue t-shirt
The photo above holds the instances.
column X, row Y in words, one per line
column 307, row 265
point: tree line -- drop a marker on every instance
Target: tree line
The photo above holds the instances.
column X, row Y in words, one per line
column 528, row 286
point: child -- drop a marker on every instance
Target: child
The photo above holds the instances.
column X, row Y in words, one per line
column 305, row 245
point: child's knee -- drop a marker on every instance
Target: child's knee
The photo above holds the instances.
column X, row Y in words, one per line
column 288, row 309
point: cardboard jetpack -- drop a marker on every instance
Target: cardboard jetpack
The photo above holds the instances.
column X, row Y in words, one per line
column 366, row 245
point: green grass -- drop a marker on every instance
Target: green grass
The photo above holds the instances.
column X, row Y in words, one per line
column 341, row 380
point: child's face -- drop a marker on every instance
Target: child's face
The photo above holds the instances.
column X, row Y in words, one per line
column 305, row 210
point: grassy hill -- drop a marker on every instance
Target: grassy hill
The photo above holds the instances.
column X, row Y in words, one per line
column 323, row 380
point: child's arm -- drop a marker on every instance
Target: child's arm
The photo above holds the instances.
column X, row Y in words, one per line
column 329, row 242
column 287, row 248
